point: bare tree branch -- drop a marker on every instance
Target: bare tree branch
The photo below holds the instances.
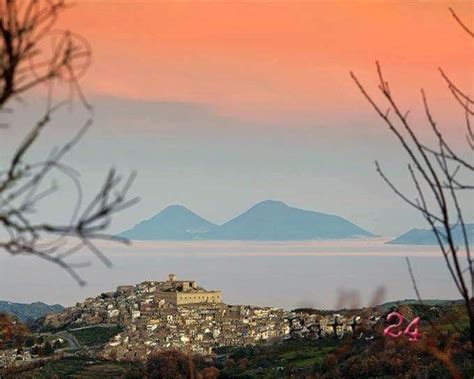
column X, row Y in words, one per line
column 459, row 21
column 25, row 29
column 434, row 172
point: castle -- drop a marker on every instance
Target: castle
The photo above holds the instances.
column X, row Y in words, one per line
column 183, row 292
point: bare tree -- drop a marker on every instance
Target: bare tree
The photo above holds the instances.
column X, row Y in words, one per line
column 32, row 52
column 439, row 175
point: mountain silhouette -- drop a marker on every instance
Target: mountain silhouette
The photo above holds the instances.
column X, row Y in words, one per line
column 266, row 221
column 172, row 223
column 427, row 236
column 273, row 220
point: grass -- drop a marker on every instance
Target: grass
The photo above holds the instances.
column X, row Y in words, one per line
column 63, row 368
column 78, row 367
column 95, row 336
column 267, row 361
column 306, row 357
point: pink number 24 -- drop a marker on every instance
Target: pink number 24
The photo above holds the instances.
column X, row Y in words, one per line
column 411, row 331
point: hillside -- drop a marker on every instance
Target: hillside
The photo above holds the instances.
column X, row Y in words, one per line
column 29, row 312
column 105, row 338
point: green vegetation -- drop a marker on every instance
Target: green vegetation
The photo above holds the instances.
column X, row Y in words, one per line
column 95, row 335
column 77, row 367
column 268, row 361
column 435, row 356
column 379, row 358
column 306, row 357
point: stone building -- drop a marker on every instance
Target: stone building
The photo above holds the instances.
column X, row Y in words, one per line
column 182, row 292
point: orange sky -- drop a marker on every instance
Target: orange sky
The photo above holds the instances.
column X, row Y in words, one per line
column 264, row 60
column 221, row 105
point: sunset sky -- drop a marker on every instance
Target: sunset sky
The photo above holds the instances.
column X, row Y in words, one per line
column 219, row 105
column 269, row 60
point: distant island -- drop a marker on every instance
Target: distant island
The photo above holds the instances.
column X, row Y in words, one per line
column 266, row 221
column 427, row 237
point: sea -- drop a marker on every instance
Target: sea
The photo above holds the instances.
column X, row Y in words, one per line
column 318, row 274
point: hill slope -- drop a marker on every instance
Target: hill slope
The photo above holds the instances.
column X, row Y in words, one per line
column 172, row 223
column 26, row 312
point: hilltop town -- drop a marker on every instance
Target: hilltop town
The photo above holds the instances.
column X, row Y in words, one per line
column 133, row 322
column 179, row 314
column 171, row 314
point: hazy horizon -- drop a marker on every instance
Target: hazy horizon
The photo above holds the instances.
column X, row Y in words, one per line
column 254, row 104
column 284, row 274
